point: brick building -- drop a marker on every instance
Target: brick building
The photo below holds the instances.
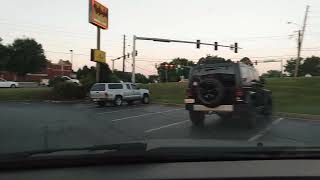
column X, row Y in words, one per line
column 62, row 68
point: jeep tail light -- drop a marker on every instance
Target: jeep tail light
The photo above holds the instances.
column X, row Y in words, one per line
column 189, row 92
column 239, row 92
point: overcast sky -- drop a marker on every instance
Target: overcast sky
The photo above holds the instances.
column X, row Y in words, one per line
column 260, row 28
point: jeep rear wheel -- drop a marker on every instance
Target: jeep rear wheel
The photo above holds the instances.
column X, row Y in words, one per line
column 210, row 92
column 268, row 107
column 197, row 118
column 251, row 120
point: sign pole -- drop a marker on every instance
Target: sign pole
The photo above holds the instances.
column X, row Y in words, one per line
column 98, row 64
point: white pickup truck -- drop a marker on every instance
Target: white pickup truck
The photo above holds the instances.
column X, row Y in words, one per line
column 117, row 93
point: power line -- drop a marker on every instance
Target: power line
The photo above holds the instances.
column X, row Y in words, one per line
column 141, row 67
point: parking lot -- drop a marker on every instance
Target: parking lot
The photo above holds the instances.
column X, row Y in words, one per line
column 38, row 125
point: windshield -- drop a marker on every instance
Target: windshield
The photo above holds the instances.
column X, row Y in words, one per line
column 231, row 73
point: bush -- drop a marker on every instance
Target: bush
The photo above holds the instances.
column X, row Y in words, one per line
column 87, row 83
column 67, row 90
column 55, row 80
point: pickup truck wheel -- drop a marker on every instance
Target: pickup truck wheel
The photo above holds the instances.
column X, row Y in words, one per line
column 101, row 103
column 197, row 118
column 13, row 86
column 118, row 101
column 145, row 99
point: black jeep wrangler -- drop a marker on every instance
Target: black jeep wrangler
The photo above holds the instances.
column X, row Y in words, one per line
column 229, row 90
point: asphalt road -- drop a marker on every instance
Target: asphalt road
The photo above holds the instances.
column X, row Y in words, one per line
column 38, row 125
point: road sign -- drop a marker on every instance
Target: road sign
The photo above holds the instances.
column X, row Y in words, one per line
column 98, row 56
column 98, row 14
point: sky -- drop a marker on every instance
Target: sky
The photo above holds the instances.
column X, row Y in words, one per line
column 259, row 27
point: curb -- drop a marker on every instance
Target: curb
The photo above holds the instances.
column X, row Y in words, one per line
column 169, row 104
column 298, row 116
column 48, row 101
column 281, row 114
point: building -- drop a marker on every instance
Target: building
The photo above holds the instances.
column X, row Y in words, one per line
column 62, row 68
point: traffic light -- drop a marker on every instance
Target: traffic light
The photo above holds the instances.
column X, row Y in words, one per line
column 136, row 53
column 235, row 47
column 256, row 62
column 216, row 46
column 198, row 44
column 128, row 55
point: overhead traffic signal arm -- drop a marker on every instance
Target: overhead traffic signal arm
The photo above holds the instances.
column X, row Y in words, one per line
column 197, row 42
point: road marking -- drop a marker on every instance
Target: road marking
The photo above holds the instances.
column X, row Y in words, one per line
column 147, row 114
column 301, row 119
column 108, row 112
column 166, row 126
column 263, row 132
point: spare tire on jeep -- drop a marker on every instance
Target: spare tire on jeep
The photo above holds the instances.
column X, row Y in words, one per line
column 210, row 92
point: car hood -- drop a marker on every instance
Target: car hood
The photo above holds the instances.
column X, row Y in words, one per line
column 194, row 143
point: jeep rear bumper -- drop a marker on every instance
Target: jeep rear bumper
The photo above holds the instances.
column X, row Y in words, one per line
column 197, row 107
column 237, row 108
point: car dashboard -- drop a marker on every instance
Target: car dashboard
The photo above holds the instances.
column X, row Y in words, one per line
column 264, row 169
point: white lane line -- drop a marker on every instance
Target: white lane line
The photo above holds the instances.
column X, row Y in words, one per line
column 166, row 126
column 302, row 119
column 147, row 114
column 108, row 112
column 263, row 132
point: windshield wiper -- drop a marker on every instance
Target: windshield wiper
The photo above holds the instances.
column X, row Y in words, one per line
column 122, row 147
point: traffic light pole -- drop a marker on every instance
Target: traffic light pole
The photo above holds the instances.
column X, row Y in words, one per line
column 198, row 43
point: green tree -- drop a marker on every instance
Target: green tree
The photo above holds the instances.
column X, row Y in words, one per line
column 272, row 74
column 26, row 56
column 247, row 61
column 181, row 67
column 212, row 60
column 4, row 56
column 311, row 66
column 153, row 78
column 126, row 77
column 290, row 67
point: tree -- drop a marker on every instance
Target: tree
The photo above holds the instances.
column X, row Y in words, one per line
column 246, row 61
column 212, row 60
column 181, row 67
column 272, row 74
column 26, row 56
column 311, row 66
column 290, row 67
column 4, row 56
column 153, row 78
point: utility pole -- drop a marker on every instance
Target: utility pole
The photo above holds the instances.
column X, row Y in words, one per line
column 71, row 58
column 98, row 64
column 296, row 69
column 300, row 41
column 112, row 65
column 124, row 54
column 133, row 78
